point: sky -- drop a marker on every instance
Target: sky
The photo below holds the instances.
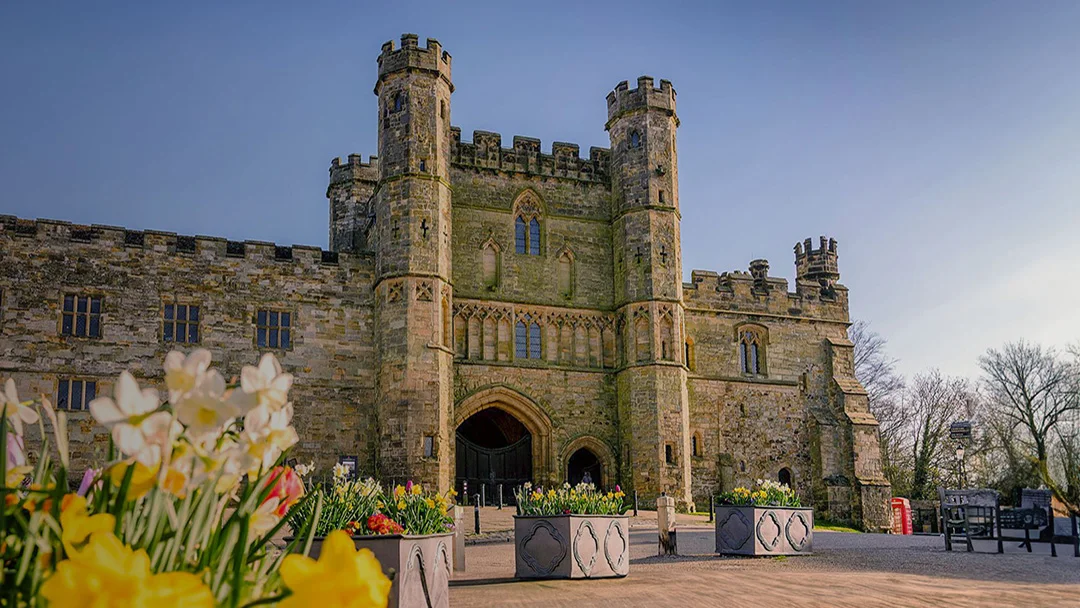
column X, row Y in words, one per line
column 938, row 142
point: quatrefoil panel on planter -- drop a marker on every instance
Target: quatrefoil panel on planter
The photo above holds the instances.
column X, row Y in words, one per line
column 751, row 530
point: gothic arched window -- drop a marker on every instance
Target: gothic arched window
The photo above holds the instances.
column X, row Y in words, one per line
column 751, row 352
column 635, row 139
column 399, row 102
column 527, row 229
column 527, row 341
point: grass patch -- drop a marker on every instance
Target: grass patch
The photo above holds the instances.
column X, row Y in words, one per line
column 830, row 527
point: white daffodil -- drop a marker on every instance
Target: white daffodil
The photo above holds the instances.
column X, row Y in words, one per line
column 303, row 470
column 264, row 518
column 267, row 433
column 263, row 385
column 137, row 429
column 340, row 472
column 204, row 408
column 14, row 410
column 182, row 373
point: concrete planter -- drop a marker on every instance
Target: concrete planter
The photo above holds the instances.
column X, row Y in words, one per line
column 764, row 530
column 572, row 546
column 417, row 561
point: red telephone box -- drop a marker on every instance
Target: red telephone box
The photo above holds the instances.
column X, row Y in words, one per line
column 901, row 510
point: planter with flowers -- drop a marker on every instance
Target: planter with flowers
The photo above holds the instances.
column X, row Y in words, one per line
column 571, row 533
column 183, row 510
column 766, row 520
column 409, row 531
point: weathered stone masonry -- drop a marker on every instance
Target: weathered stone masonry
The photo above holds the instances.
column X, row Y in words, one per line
column 465, row 276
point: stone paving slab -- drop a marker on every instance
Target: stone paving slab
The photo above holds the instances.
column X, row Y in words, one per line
column 857, row 570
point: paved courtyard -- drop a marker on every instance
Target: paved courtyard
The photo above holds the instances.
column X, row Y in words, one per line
column 858, row 570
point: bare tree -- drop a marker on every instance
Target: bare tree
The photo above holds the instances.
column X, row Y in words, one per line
column 876, row 371
column 931, row 403
column 1035, row 390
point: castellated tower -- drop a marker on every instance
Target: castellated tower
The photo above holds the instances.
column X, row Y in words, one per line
column 652, row 395
column 352, row 184
column 411, row 237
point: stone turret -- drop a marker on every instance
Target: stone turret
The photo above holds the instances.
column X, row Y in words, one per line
column 818, row 265
column 652, row 391
column 352, row 211
column 413, row 296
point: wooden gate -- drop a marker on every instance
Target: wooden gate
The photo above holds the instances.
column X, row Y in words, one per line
column 510, row 466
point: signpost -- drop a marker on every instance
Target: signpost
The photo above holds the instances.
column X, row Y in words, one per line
column 960, row 431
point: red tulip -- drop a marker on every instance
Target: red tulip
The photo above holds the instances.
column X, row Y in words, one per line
column 286, row 486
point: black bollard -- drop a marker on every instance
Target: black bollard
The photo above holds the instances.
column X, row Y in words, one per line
column 476, row 512
column 483, row 495
column 635, row 503
column 712, row 509
column 500, row 497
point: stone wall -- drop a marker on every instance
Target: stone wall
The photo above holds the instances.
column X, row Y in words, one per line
column 136, row 273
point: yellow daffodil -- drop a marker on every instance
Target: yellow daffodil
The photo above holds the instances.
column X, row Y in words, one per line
column 399, row 491
column 430, row 503
column 107, row 573
column 401, row 505
column 141, row 480
column 416, row 490
column 343, row 576
column 76, row 524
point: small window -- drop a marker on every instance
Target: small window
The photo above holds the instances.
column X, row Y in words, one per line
column 661, row 196
column 442, row 108
column 81, row 316
column 695, row 445
column 75, row 394
column 784, row 476
column 399, row 102
column 423, row 166
column 669, row 454
column 181, row 323
column 429, row 446
column 273, row 329
column 635, row 139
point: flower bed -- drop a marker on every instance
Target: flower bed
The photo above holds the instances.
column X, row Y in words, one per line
column 409, row 531
column 182, row 511
column 571, row 533
column 767, row 520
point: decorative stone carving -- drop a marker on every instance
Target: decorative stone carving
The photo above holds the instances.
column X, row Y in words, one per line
column 764, row 530
column 541, row 546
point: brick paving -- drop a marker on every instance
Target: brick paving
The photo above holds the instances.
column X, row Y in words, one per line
column 857, row 570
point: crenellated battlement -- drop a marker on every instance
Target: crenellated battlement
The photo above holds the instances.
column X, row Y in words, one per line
column 117, row 239
column 411, row 56
column 819, row 265
column 624, row 99
column 486, row 152
column 353, row 169
column 754, row 291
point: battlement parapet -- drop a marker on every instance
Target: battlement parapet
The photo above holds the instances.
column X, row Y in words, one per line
column 623, row 99
column 486, row 152
column 117, row 239
column 756, row 292
column 411, row 56
column 818, row 265
column 354, row 170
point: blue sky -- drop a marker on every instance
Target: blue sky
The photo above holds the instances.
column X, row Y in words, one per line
column 939, row 142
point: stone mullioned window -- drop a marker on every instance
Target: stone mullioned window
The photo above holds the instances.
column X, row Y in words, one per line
column 527, row 339
column 273, row 329
column 75, row 393
column 181, row 323
column 81, row 316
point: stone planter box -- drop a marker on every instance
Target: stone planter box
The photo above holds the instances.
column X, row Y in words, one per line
column 572, row 546
column 415, row 560
column 764, row 530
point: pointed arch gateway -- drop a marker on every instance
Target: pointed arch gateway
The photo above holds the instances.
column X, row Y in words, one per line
column 588, row 454
column 502, row 437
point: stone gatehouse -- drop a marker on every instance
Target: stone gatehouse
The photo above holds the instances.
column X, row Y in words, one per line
column 483, row 314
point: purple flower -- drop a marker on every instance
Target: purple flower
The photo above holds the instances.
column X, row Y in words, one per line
column 87, row 479
column 408, row 486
